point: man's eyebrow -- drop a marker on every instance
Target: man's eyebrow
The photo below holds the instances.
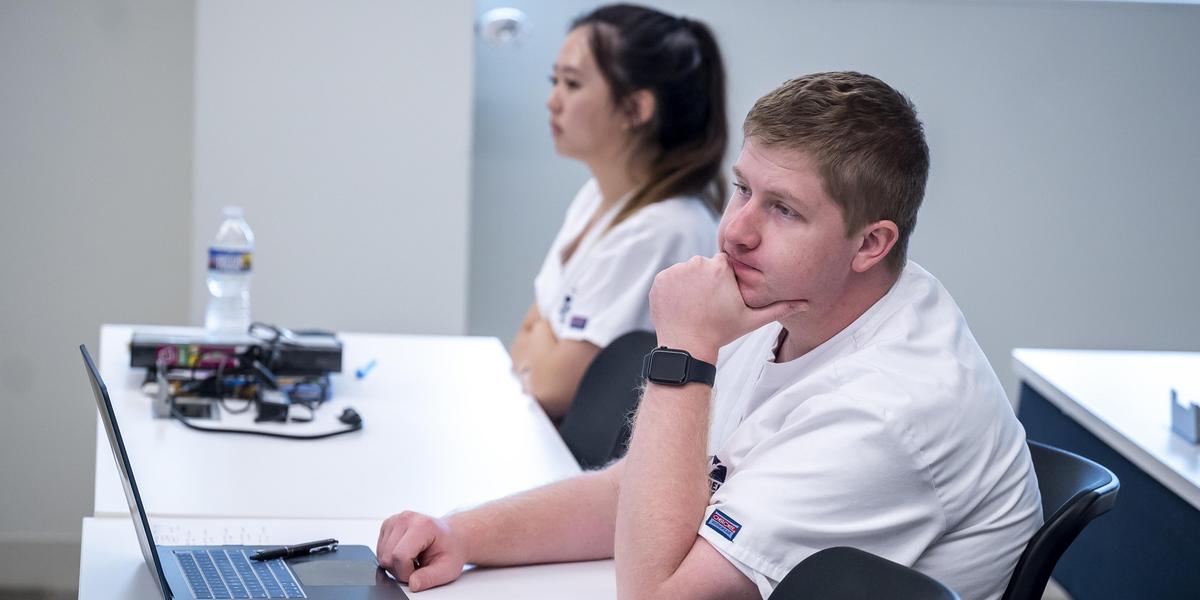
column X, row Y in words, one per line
column 784, row 195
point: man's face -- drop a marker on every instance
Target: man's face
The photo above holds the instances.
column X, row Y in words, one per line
column 785, row 236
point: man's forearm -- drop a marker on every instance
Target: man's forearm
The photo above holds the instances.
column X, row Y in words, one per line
column 663, row 487
column 696, row 306
column 564, row 521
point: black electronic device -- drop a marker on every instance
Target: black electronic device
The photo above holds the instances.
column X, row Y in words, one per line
column 272, row 406
column 284, row 353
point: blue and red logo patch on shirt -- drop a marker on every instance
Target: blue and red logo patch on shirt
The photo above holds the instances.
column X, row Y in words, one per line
column 722, row 524
column 578, row 322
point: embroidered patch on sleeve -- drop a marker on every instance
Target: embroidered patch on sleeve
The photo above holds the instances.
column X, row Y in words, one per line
column 716, row 477
column 578, row 322
column 722, row 524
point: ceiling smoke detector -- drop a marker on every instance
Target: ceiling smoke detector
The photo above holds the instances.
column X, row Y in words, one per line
column 503, row 27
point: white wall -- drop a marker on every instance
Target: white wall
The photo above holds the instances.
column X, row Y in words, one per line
column 343, row 128
column 1062, row 203
column 95, row 150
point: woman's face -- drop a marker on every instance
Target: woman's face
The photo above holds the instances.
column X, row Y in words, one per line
column 585, row 124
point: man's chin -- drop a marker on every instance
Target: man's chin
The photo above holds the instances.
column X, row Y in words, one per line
column 752, row 298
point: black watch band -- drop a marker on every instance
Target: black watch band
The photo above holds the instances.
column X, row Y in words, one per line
column 669, row 366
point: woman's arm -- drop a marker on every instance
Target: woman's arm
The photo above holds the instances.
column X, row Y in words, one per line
column 519, row 348
column 552, row 368
column 549, row 368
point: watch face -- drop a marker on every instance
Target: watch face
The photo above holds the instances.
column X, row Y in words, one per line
column 668, row 366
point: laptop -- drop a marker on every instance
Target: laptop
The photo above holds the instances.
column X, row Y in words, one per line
column 212, row 572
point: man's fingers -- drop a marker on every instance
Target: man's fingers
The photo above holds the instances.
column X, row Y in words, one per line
column 409, row 550
column 440, row 571
column 404, row 546
column 385, row 531
column 389, row 537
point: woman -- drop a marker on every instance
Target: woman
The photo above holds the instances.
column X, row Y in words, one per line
column 639, row 97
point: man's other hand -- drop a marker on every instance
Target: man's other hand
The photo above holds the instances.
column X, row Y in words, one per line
column 420, row 550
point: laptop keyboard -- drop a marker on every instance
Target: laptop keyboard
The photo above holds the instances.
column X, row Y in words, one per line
column 217, row 574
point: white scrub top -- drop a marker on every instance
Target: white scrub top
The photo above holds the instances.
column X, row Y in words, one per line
column 894, row 436
column 603, row 291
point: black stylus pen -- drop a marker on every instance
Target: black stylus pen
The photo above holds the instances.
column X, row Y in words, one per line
column 328, row 545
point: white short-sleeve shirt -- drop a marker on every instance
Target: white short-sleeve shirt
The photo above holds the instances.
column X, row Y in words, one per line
column 894, row 437
column 603, row 291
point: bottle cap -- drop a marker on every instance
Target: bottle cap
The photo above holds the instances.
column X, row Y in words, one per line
column 233, row 212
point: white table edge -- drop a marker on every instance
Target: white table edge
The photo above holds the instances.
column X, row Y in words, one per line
column 1127, row 448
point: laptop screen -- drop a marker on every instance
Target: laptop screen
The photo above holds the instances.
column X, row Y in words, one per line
column 140, row 523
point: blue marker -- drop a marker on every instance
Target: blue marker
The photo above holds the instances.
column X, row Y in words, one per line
column 363, row 370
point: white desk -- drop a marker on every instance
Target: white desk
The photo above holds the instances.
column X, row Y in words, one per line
column 112, row 567
column 446, row 426
column 1114, row 407
column 1123, row 398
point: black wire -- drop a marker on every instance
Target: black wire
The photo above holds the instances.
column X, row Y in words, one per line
column 287, row 436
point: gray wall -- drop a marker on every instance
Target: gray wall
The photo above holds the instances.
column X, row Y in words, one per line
column 1062, row 201
column 95, row 151
column 343, row 128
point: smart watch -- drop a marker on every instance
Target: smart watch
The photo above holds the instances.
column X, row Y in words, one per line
column 669, row 366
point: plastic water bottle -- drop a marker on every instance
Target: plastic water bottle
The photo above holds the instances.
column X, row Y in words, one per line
column 230, row 260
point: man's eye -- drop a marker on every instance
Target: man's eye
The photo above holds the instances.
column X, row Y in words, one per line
column 741, row 190
column 785, row 210
column 553, row 80
column 572, row 84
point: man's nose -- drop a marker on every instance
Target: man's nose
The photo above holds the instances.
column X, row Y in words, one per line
column 743, row 226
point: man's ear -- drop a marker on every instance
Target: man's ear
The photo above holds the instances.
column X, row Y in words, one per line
column 875, row 242
column 639, row 108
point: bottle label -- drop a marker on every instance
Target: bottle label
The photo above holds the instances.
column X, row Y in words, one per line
column 229, row 261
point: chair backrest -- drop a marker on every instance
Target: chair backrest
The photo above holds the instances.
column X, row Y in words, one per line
column 596, row 426
column 1074, row 490
column 844, row 573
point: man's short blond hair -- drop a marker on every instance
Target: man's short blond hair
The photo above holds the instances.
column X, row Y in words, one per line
column 867, row 142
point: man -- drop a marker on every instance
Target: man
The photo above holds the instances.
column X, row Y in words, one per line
column 851, row 406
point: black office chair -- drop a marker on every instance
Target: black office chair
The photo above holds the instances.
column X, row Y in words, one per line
column 596, row 427
column 844, row 573
column 1075, row 490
